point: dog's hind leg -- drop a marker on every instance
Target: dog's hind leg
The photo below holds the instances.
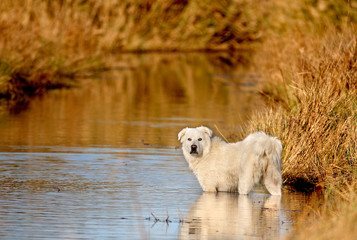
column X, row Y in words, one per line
column 272, row 180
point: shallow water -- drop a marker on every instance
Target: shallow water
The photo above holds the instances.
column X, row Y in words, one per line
column 103, row 161
column 98, row 192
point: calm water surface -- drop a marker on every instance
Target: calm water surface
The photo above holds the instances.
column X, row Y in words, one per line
column 102, row 161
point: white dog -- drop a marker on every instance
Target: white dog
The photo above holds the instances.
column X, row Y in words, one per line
column 232, row 167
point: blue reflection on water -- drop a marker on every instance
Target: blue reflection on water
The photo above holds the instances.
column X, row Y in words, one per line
column 96, row 192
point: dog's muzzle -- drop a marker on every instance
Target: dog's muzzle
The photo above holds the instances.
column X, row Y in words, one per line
column 193, row 149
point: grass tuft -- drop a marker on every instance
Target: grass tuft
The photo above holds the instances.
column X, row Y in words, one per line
column 315, row 113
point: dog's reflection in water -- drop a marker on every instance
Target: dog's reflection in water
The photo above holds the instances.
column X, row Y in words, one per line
column 233, row 216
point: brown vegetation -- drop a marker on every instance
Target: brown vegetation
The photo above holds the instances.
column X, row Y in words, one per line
column 311, row 87
column 313, row 95
column 46, row 44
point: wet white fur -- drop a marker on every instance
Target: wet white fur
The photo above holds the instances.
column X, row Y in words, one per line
column 233, row 167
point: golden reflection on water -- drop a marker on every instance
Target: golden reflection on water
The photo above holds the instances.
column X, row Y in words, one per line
column 145, row 100
column 234, row 216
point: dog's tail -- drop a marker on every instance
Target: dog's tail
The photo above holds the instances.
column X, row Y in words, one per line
column 269, row 151
column 272, row 176
column 273, row 151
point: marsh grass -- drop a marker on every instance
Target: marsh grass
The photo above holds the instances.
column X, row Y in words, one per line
column 46, row 44
column 310, row 86
column 314, row 112
column 36, row 52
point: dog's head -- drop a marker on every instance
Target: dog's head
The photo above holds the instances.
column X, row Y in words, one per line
column 195, row 141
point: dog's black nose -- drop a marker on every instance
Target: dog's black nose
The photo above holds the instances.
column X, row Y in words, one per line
column 193, row 148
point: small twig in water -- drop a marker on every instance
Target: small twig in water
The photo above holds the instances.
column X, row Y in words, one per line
column 167, row 220
column 156, row 219
column 181, row 220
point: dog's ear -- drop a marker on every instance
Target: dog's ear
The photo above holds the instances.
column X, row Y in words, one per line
column 206, row 130
column 181, row 134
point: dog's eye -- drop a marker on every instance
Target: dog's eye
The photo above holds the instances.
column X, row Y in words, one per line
column 200, row 139
column 189, row 139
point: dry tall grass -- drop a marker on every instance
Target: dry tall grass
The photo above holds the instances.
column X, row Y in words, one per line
column 313, row 96
column 44, row 44
column 311, row 87
column 39, row 51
